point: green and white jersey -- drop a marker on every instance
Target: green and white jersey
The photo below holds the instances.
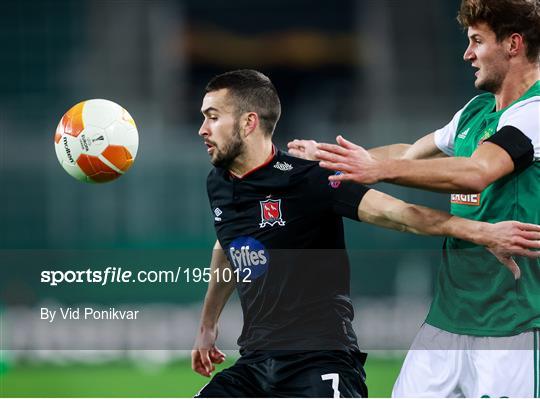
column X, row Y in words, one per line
column 475, row 294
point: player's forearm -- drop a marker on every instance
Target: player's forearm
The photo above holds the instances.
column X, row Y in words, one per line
column 393, row 151
column 469, row 230
column 216, row 297
column 421, row 220
column 218, row 291
column 451, row 175
column 386, row 211
column 423, row 148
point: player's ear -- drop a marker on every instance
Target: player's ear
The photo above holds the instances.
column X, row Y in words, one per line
column 250, row 122
column 514, row 44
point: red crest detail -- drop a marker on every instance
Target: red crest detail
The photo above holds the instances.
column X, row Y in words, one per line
column 271, row 213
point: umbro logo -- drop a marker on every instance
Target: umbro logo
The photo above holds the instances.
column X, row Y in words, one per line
column 283, row 166
column 463, row 134
column 217, row 212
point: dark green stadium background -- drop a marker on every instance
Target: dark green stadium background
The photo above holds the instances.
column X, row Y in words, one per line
column 378, row 72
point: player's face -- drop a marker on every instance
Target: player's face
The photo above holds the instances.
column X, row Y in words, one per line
column 488, row 56
column 220, row 129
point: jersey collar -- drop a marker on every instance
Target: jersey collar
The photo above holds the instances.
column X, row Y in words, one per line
column 261, row 166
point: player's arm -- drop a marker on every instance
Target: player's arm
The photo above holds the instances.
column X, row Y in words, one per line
column 205, row 352
column 503, row 239
column 423, row 148
column 507, row 150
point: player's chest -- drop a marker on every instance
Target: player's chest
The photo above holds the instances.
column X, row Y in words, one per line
column 470, row 135
column 267, row 214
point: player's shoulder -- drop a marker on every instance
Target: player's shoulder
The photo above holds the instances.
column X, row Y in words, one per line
column 215, row 179
column 523, row 113
column 296, row 166
column 214, row 174
column 525, row 105
column 283, row 158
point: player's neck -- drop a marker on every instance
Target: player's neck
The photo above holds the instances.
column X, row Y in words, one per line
column 253, row 158
column 516, row 84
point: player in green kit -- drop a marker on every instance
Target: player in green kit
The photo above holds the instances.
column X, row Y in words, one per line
column 481, row 336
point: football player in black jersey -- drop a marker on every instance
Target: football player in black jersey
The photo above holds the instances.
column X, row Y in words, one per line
column 280, row 236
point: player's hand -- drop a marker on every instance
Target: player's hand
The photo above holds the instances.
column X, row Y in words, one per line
column 353, row 161
column 205, row 353
column 514, row 238
column 304, row 149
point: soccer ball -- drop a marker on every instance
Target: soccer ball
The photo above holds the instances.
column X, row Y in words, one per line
column 96, row 141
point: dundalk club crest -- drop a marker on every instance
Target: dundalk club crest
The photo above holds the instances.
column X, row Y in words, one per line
column 271, row 213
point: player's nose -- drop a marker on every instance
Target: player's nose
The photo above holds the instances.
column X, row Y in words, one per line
column 469, row 54
column 203, row 130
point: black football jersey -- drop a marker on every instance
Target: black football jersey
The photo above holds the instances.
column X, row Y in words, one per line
column 281, row 228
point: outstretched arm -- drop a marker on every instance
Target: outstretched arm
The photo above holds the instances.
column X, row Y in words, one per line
column 503, row 239
column 452, row 174
column 205, row 352
column 423, row 148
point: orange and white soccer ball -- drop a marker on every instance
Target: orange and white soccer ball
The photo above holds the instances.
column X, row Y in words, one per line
column 96, row 141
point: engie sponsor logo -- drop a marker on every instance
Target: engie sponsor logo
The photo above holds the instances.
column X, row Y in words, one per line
column 249, row 256
column 465, row 199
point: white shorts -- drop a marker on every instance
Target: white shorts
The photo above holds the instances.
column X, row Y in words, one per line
column 442, row 364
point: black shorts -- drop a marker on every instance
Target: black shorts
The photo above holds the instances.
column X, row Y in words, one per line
column 329, row 374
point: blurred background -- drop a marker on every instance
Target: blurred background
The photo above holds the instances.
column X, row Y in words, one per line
column 376, row 71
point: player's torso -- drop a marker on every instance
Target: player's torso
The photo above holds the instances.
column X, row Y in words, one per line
column 475, row 293
column 513, row 197
column 282, row 215
column 288, row 249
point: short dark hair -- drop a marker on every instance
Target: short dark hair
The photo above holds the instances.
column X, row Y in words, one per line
column 251, row 91
column 505, row 17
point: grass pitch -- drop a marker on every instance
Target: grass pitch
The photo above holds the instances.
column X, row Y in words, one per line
column 128, row 380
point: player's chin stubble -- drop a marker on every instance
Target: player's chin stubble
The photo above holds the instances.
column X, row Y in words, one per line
column 493, row 82
column 490, row 85
column 231, row 150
